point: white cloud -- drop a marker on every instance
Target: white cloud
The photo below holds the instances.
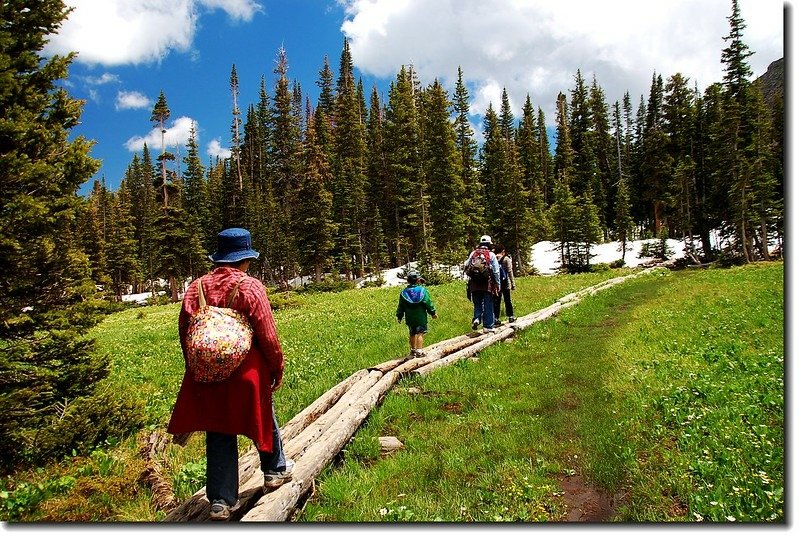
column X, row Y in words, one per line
column 105, row 78
column 215, row 149
column 176, row 135
column 132, row 100
column 121, row 32
column 537, row 46
column 236, row 9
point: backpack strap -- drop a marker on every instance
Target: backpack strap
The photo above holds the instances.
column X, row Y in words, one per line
column 235, row 291
column 200, row 290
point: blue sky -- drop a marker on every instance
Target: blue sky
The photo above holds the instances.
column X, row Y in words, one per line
column 130, row 50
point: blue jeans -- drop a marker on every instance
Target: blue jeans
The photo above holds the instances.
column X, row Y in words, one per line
column 483, row 307
column 222, row 457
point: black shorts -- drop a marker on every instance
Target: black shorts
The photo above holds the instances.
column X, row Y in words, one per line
column 413, row 330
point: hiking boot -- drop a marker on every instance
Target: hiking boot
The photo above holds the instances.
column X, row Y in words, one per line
column 497, row 324
column 220, row 510
column 274, row 478
column 475, row 324
column 511, row 319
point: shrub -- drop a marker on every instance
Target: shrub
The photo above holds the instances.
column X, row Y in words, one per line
column 728, row 257
column 600, row 267
column 283, row 300
column 619, row 263
column 85, row 423
column 327, row 285
column 27, row 496
column 378, row 282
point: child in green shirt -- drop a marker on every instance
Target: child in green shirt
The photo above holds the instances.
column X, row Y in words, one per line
column 414, row 304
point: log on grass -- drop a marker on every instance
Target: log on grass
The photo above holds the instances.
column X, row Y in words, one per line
column 321, row 405
column 299, row 444
column 280, row 503
column 486, row 341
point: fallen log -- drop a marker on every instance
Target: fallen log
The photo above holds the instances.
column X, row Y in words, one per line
column 280, row 503
column 295, row 447
column 488, row 340
column 321, row 405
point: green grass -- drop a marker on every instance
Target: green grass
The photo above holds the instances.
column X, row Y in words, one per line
column 640, row 389
column 667, row 389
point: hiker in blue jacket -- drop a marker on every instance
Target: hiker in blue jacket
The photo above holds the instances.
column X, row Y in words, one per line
column 414, row 304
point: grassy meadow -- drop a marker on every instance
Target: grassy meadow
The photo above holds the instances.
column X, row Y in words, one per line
column 667, row 391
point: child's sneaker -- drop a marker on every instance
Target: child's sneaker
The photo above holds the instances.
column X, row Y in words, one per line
column 220, row 510
column 475, row 324
column 417, row 352
column 273, row 479
column 511, row 319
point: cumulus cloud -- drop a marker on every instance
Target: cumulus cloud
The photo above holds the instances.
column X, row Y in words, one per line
column 215, row 149
column 176, row 135
column 535, row 47
column 105, row 78
column 132, row 100
column 122, row 32
column 236, row 9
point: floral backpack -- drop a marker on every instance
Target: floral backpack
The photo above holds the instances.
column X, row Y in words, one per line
column 218, row 339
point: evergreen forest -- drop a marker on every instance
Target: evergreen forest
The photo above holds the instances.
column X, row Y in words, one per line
column 341, row 188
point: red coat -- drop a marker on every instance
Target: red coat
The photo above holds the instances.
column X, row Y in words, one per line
column 242, row 403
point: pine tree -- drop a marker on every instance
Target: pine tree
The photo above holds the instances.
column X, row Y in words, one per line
column 349, row 169
column 403, row 143
column 589, row 232
column 313, row 225
column 123, row 266
column 443, row 176
column 564, row 153
column 49, row 374
column 507, row 122
column 92, row 231
column 580, row 135
column 602, row 190
column 623, row 222
column 656, row 162
column 545, row 158
column 286, row 157
column 493, row 166
column 467, row 149
column 177, row 250
column 563, row 216
column 379, row 188
column 195, row 203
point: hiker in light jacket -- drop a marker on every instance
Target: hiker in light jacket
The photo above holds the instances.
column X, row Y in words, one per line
column 483, row 289
column 507, row 283
column 414, row 304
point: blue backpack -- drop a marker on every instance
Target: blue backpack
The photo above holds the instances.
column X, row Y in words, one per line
column 503, row 274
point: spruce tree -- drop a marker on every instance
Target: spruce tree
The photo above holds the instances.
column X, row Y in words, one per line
column 49, row 372
column 467, row 149
column 602, row 189
column 403, row 141
column 656, row 161
column 443, row 176
column 313, row 225
column 286, row 160
column 123, row 265
column 349, row 169
column 379, row 189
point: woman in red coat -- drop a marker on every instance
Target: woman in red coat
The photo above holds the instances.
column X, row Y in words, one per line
column 242, row 403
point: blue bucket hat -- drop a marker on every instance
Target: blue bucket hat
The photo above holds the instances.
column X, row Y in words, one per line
column 233, row 245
